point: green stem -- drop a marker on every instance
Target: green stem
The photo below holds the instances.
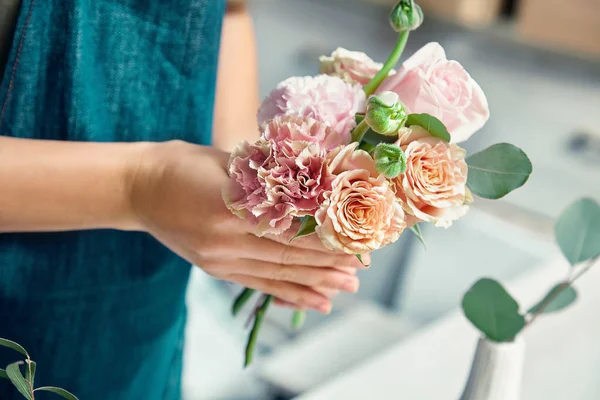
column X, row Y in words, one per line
column 241, row 300
column 372, row 86
column 258, row 320
column 298, row 319
column 359, row 132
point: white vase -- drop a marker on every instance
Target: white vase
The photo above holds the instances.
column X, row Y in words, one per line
column 496, row 371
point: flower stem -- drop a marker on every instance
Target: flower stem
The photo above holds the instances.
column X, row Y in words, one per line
column 372, row 86
column 359, row 132
column 563, row 286
column 241, row 300
column 298, row 319
column 258, row 320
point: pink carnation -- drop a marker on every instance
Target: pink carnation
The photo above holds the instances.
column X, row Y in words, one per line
column 306, row 129
column 325, row 98
column 273, row 182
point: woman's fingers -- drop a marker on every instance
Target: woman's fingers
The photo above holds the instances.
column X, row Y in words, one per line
column 289, row 292
column 280, row 303
column 327, row 278
column 280, row 253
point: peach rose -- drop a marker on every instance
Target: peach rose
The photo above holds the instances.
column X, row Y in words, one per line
column 434, row 186
column 430, row 83
column 351, row 66
column 360, row 213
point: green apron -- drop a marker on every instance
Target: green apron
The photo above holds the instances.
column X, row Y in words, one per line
column 103, row 312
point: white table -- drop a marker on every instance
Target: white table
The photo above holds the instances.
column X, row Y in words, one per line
column 562, row 360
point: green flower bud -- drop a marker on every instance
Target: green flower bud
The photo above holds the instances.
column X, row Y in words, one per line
column 406, row 16
column 390, row 160
column 386, row 113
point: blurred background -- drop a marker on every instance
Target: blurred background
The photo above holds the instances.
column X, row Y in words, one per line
column 538, row 62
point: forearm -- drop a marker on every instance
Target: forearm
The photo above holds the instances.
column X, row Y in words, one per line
column 57, row 186
column 237, row 98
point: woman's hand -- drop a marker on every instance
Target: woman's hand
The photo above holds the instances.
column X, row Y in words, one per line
column 176, row 196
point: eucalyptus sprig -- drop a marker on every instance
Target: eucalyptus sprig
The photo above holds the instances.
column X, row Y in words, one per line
column 496, row 313
column 25, row 384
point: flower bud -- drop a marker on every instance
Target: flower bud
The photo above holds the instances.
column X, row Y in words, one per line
column 406, row 16
column 390, row 160
column 386, row 113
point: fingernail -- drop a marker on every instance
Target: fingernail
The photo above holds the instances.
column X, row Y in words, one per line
column 351, row 285
column 325, row 308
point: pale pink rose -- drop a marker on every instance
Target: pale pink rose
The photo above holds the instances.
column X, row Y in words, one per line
column 307, row 129
column 434, row 186
column 273, row 182
column 360, row 213
column 351, row 66
column 429, row 83
column 324, row 98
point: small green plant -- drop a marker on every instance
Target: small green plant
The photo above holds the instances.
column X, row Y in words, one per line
column 496, row 313
column 25, row 384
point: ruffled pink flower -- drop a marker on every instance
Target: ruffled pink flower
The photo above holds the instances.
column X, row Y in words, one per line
column 325, row 98
column 291, row 128
column 360, row 213
column 434, row 186
column 351, row 66
column 430, row 83
column 273, row 182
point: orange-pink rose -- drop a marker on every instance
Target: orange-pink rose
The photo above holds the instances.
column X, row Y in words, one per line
column 434, row 186
column 360, row 213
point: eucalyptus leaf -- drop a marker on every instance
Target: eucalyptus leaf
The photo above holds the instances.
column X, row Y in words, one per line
column 3, row 374
column 431, row 124
column 493, row 311
column 559, row 297
column 498, row 170
column 309, row 223
column 298, row 319
column 16, row 377
column 416, row 229
column 577, row 231
column 30, row 368
column 61, row 392
column 13, row 345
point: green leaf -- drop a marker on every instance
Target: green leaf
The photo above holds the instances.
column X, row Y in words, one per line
column 359, row 256
column 61, row 392
column 577, row 231
column 417, row 231
column 309, row 223
column 298, row 319
column 431, row 124
column 15, row 376
column 498, row 170
column 359, row 118
column 3, row 374
column 30, row 368
column 241, row 300
column 14, row 346
column 493, row 311
column 373, row 138
column 559, row 297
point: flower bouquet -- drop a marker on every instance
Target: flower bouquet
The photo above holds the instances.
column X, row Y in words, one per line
column 361, row 152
